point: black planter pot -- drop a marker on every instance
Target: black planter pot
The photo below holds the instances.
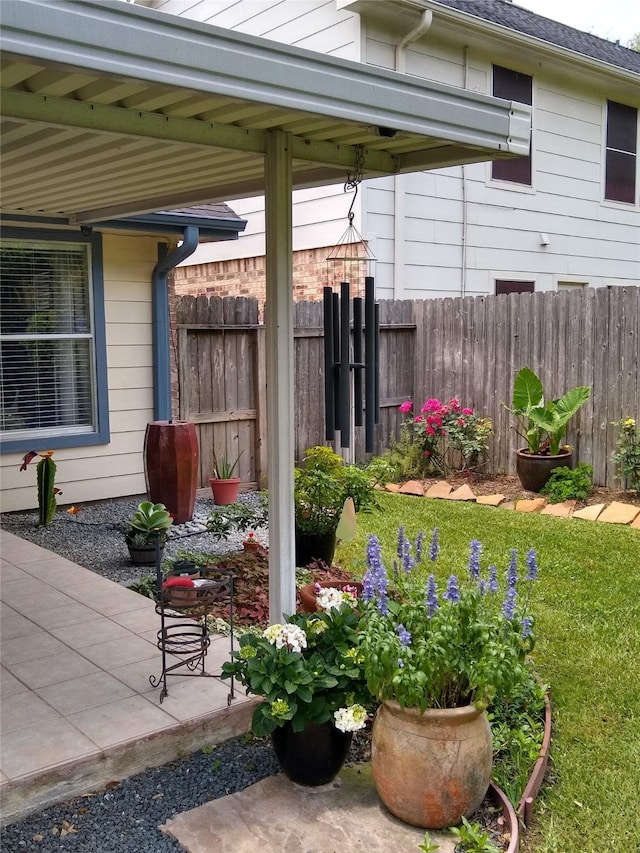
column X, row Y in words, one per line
column 143, row 555
column 534, row 471
column 313, row 756
column 313, row 547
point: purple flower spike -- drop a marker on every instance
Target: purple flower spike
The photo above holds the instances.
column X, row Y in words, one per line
column 493, row 579
column 526, row 624
column 532, row 565
column 475, row 547
column 407, row 559
column 375, row 581
column 452, row 592
column 432, row 596
column 509, row 604
column 400, row 542
column 403, row 635
column 435, row 546
column 482, row 587
column 512, row 571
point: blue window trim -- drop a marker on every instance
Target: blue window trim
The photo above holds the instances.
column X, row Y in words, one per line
column 102, row 433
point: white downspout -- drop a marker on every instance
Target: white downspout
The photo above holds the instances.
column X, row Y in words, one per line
column 465, row 223
column 398, row 181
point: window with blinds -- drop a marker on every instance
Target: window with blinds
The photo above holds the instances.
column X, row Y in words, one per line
column 47, row 366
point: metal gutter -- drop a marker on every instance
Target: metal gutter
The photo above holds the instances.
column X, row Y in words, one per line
column 160, row 321
column 118, row 38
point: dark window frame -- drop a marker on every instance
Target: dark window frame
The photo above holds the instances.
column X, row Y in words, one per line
column 101, row 431
column 506, row 286
column 621, row 153
column 512, row 86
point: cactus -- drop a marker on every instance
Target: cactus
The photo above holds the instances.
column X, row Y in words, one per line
column 46, row 476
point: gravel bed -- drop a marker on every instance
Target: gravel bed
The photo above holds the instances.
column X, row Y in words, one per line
column 94, row 537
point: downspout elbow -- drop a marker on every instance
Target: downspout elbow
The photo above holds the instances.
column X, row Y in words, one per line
column 160, row 322
column 426, row 19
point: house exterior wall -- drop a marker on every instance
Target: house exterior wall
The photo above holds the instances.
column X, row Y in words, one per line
column 456, row 231
column 116, row 468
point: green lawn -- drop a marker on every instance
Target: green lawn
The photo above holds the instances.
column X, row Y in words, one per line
column 587, row 608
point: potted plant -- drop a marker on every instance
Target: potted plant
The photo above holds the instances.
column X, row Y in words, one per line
column 322, row 484
column 224, row 485
column 310, row 674
column 436, row 658
column 148, row 522
column 543, row 425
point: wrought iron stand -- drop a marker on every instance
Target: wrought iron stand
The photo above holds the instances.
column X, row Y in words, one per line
column 184, row 637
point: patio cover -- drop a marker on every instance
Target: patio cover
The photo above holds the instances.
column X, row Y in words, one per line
column 110, row 110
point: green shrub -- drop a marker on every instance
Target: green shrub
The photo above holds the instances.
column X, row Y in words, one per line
column 627, row 455
column 567, row 484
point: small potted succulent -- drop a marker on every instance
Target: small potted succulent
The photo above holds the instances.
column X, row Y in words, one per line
column 148, row 522
column 224, row 485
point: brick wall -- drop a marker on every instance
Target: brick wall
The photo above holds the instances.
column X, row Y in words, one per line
column 246, row 276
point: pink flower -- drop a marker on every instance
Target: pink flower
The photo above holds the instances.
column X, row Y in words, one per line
column 418, row 419
column 406, row 406
column 430, row 430
column 431, row 405
column 467, row 411
column 460, row 421
column 455, row 404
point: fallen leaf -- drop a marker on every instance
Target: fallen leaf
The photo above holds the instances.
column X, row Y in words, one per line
column 37, row 837
column 157, row 796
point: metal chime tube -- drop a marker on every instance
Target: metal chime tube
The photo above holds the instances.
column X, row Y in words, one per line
column 376, row 344
column 345, row 366
column 369, row 363
column 358, row 400
column 336, row 360
column 329, row 373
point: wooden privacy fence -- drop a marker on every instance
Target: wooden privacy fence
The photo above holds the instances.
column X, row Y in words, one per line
column 470, row 348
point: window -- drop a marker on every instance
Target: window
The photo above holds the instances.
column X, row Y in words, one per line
column 512, row 86
column 621, row 153
column 52, row 364
column 505, row 286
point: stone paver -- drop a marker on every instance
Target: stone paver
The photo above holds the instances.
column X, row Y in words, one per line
column 530, row 506
column 635, row 523
column 590, row 513
column 275, row 815
column 412, row 487
column 619, row 513
column 441, row 489
column 561, row 510
column 392, row 487
column 490, row 500
column 464, row 493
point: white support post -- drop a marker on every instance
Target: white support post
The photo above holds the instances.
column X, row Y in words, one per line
column 280, row 374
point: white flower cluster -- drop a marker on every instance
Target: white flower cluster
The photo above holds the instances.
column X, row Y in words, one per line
column 331, row 598
column 350, row 719
column 286, row 636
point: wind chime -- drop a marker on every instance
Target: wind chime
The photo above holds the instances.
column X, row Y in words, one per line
column 351, row 349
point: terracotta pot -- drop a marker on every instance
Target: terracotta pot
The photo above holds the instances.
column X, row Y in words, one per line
column 308, row 595
column 315, row 547
column 171, row 457
column 534, row 471
column 431, row 768
column 313, row 756
column 225, row 491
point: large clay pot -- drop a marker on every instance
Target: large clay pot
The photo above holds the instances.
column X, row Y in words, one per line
column 225, row 492
column 431, row 768
column 313, row 756
column 171, row 458
column 534, row 471
column 315, row 547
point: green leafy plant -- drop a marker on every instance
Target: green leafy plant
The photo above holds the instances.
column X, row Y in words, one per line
column 322, row 484
column 308, row 669
column 240, row 516
column 442, row 437
column 465, row 645
column 627, row 454
column 568, row 483
column 472, row 838
column 148, row 520
column 45, row 477
column 427, row 845
column 543, row 424
column 223, row 468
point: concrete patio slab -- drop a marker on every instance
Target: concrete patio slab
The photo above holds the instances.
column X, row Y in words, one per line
column 275, row 815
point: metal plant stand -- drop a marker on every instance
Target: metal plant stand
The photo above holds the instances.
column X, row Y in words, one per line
column 180, row 635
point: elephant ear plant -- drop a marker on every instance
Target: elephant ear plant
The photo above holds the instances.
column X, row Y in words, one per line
column 543, row 424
